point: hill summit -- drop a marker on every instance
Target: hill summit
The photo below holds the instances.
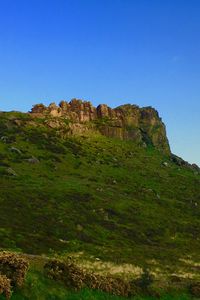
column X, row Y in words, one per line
column 127, row 122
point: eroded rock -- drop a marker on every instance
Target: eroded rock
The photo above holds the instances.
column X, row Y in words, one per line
column 126, row 122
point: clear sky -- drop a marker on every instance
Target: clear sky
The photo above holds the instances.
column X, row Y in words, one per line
column 144, row 52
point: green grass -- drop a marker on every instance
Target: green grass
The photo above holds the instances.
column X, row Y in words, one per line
column 86, row 295
column 38, row 287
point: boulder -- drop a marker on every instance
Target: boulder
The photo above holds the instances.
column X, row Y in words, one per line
column 32, row 160
column 16, row 150
column 10, row 171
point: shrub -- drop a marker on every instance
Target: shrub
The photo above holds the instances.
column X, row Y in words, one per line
column 108, row 284
column 5, row 286
column 76, row 278
column 145, row 281
column 14, row 267
column 65, row 271
column 195, row 289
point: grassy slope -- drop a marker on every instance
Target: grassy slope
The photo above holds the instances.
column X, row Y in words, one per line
column 38, row 287
column 45, row 290
column 110, row 198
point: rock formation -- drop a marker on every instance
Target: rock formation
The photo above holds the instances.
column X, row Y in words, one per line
column 128, row 122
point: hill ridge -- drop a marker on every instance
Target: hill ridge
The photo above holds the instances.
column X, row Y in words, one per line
column 126, row 122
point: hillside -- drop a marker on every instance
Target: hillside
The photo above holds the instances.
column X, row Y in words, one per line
column 99, row 181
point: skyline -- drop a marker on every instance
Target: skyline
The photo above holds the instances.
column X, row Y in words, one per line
column 68, row 100
column 112, row 52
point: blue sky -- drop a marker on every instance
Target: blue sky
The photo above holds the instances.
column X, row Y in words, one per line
column 143, row 52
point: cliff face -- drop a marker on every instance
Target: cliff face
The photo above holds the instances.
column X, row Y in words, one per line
column 128, row 122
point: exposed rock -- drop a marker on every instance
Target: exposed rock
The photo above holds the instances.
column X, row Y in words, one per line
column 104, row 111
column 182, row 163
column 4, row 139
column 63, row 241
column 54, row 110
column 39, row 109
column 126, row 122
column 195, row 167
column 18, row 122
column 99, row 189
column 32, row 160
column 53, row 123
column 10, row 171
column 16, row 150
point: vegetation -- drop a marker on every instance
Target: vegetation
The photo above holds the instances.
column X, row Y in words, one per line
column 109, row 199
column 74, row 277
column 13, row 267
column 5, row 286
column 64, row 279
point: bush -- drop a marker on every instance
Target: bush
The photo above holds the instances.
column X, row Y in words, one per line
column 74, row 277
column 108, row 284
column 65, row 271
column 144, row 282
column 195, row 289
column 13, row 267
column 5, row 286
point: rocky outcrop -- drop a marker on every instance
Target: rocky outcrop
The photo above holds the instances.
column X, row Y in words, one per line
column 76, row 110
column 128, row 122
column 182, row 163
